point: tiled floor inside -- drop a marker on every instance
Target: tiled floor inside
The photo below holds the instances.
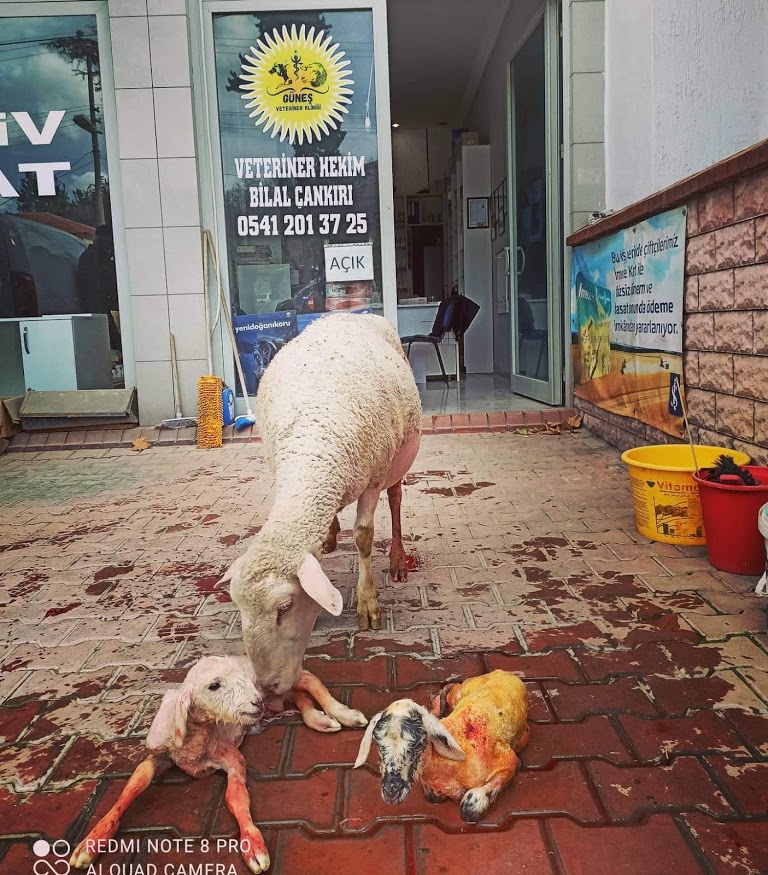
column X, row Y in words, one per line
column 475, row 393
column 647, row 671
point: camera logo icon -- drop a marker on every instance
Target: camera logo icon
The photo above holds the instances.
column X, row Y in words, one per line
column 59, row 851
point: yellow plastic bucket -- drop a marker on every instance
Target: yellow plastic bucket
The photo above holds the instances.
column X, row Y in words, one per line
column 665, row 495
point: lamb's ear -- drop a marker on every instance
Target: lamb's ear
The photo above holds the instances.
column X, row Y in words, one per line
column 316, row 585
column 365, row 744
column 442, row 740
column 180, row 715
column 161, row 733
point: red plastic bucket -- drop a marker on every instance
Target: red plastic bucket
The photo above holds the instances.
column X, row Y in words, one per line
column 730, row 512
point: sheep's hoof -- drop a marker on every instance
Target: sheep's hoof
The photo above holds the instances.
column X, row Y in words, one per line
column 80, row 858
column 350, row 717
column 474, row 804
column 320, row 722
column 369, row 619
column 255, row 852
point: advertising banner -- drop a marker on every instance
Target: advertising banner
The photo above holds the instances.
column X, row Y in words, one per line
column 258, row 339
column 627, row 293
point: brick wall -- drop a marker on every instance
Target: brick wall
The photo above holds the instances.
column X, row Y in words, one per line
column 726, row 315
column 725, row 340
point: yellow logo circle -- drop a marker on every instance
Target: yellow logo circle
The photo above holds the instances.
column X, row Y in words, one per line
column 297, row 84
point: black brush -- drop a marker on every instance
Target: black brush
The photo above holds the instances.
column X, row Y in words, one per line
column 724, row 465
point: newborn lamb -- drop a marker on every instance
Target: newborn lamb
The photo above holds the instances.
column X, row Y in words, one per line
column 473, row 750
column 199, row 727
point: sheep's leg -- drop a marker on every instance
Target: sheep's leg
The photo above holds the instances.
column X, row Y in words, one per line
column 398, row 566
column 329, row 544
column 475, row 802
column 368, row 612
column 107, row 827
column 311, row 716
column 252, row 845
column 316, row 688
column 440, row 705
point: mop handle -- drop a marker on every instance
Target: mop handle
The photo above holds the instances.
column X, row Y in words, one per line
column 688, row 432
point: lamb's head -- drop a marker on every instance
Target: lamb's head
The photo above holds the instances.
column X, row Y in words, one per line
column 278, row 609
column 217, row 689
column 402, row 732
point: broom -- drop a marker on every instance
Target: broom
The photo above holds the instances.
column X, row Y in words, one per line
column 210, row 415
column 247, row 418
column 179, row 420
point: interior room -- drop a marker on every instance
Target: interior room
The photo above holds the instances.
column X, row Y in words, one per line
column 449, row 63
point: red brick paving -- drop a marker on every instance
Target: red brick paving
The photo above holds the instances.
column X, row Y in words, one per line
column 649, row 740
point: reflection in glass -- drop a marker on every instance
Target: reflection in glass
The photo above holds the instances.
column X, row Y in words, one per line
column 56, row 245
column 277, row 234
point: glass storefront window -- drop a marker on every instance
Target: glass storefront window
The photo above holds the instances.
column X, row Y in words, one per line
column 56, row 244
column 297, row 122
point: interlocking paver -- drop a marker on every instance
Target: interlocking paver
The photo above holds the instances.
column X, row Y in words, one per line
column 647, row 670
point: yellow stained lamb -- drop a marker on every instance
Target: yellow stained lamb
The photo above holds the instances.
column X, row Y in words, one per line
column 469, row 755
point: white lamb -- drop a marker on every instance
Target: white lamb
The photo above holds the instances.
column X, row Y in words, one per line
column 200, row 728
column 340, row 417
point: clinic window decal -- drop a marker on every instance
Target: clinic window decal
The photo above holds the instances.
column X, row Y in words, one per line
column 298, row 135
column 56, row 243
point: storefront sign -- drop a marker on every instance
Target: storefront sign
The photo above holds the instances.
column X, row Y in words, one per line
column 43, row 170
column 347, row 262
column 628, row 293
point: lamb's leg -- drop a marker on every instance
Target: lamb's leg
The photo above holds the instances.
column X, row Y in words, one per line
column 329, row 544
column 311, row 716
column 398, row 567
column 319, row 692
column 252, row 846
column 107, row 827
column 475, row 802
column 368, row 612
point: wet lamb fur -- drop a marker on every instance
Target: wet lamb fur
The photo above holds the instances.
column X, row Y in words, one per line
column 469, row 755
column 340, row 417
column 199, row 727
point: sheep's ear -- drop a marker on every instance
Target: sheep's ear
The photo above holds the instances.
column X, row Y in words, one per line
column 180, row 715
column 232, row 573
column 442, row 740
column 365, row 744
column 316, row 585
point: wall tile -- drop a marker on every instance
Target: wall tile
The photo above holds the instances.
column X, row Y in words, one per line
column 170, row 50
column 166, row 7
column 588, row 177
column 151, row 328
column 130, row 52
column 118, row 8
column 173, row 122
column 141, row 193
column 588, row 37
column 188, row 325
column 136, row 123
column 189, row 373
column 146, row 261
column 587, row 108
column 178, row 191
column 155, row 391
column 183, row 260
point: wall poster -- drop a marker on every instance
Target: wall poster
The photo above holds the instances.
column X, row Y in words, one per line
column 297, row 121
column 627, row 316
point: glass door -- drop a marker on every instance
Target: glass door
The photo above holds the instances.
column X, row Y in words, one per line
column 535, row 235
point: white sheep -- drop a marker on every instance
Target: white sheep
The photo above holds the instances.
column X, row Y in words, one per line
column 340, row 417
column 199, row 727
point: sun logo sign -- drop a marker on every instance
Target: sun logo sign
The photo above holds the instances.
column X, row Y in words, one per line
column 297, row 84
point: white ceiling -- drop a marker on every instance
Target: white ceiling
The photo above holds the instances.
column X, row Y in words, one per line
column 438, row 50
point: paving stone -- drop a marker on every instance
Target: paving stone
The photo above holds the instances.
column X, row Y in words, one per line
column 410, row 671
column 594, row 737
column 633, row 793
column 382, row 852
column 746, row 782
column 654, row 848
column 557, row 664
column 624, row 695
column 498, row 852
column 47, row 814
column 658, row 740
column 731, row 847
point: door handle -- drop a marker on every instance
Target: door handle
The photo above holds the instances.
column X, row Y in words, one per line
column 520, row 251
column 25, row 336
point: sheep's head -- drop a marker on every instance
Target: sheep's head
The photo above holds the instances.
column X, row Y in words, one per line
column 402, row 732
column 217, row 689
column 278, row 612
